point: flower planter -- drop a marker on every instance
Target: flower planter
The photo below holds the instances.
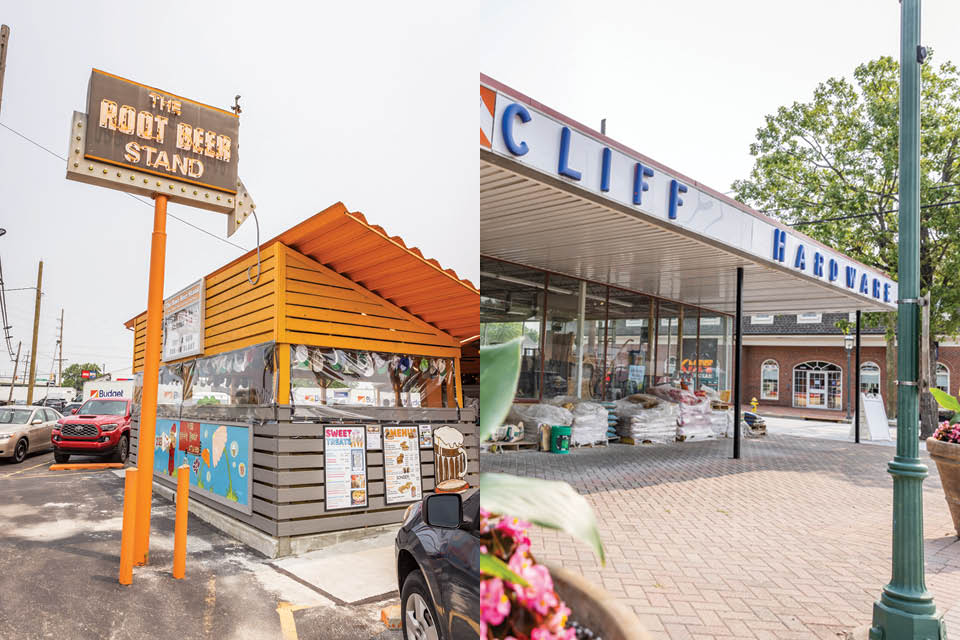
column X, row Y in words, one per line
column 947, row 457
column 596, row 609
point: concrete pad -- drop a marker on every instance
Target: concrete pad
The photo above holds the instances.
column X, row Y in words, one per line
column 352, row 572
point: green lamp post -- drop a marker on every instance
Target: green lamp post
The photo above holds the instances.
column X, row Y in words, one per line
column 905, row 610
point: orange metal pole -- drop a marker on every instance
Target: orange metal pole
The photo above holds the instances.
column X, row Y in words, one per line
column 151, row 372
column 126, row 535
column 180, row 525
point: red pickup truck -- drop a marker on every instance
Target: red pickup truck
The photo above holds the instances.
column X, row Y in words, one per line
column 101, row 427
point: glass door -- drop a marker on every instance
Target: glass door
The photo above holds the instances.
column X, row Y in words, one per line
column 816, row 389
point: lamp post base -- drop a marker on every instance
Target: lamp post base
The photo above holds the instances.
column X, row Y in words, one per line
column 897, row 624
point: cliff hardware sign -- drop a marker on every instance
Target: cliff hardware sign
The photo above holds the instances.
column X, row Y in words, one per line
column 139, row 127
column 511, row 128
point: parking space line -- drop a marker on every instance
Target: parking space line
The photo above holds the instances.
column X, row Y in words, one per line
column 288, row 626
column 211, row 603
column 27, row 469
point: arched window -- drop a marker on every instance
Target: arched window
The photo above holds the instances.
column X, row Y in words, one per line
column 869, row 378
column 769, row 380
column 943, row 377
column 817, row 385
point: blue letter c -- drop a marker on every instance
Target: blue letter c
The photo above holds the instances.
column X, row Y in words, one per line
column 511, row 112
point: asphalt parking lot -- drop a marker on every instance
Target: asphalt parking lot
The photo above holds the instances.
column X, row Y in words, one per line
column 59, row 555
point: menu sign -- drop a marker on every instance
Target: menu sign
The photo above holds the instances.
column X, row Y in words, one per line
column 373, row 437
column 190, row 437
column 345, row 467
column 183, row 322
column 401, row 464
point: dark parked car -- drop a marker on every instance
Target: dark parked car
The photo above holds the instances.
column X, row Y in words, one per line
column 69, row 407
column 438, row 568
column 53, row 403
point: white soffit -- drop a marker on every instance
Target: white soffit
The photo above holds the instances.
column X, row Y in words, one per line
column 542, row 222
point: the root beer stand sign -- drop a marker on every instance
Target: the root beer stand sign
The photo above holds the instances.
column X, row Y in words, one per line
column 142, row 140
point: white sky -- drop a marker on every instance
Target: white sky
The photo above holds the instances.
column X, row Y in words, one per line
column 374, row 104
column 371, row 104
column 688, row 82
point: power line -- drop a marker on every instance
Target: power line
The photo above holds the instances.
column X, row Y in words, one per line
column 140, row 200
column 867, row 215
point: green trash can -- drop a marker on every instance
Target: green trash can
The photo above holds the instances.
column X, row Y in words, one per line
column 559, row 439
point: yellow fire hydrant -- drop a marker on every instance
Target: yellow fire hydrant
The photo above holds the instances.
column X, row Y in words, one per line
column 754, row 404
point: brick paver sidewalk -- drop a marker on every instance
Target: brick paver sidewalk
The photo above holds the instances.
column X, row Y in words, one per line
column 792, row 541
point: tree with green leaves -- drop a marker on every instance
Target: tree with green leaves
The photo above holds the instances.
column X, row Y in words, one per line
column 832, row 161
column 72, row 375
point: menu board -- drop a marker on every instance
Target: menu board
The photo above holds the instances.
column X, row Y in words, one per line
column 183, row 322
column 373, row 437
column 426, row 436
column 345, row 467
column 401, row 464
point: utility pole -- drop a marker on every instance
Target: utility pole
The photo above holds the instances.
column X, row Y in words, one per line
column 905, row 610
column 13, row 381
column 60, row 346
column 4, row 40
column 36, row 329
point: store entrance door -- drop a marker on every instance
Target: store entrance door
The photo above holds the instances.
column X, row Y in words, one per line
column 816, row 389
column 816, row 385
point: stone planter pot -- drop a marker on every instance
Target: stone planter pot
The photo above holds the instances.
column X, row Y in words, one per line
column 947, row 457
column 596, row 609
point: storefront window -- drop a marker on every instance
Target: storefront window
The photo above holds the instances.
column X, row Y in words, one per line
column 869, row 378
column 170, row 391
column 943, row 377
column 716, row 351
column 322, row 376
column 687, row 343
column 594, row 334
column 511, row 306
column 667, row 342
column 770, row 380
column 629, row 346
column 817, row 385
column 559, row 344
column 239, row 377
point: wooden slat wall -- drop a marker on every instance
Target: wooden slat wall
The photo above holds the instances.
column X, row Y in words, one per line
column 323, row 308
column 288, row 478
column 238, row 314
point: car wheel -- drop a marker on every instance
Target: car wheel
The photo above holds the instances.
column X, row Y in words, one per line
column 61, row 458
column 20, row 451
column 419, row 616
column 120, row 455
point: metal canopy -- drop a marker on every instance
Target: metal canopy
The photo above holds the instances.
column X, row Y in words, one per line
column 532, row 219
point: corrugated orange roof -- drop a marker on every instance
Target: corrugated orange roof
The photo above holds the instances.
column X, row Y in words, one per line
column 345, row 242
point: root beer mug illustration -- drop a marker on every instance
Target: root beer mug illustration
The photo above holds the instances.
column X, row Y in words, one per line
column 450, row 456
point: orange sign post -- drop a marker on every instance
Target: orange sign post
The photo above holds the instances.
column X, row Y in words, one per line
column 151, row 380
column 142, row 140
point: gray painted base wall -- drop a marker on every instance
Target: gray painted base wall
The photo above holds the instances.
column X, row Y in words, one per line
column 288, row 493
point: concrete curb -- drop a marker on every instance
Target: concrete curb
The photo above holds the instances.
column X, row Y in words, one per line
column 266, row 544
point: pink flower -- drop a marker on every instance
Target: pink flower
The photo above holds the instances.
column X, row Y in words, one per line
column 538, row 596
column 494, row 604
column 515, row 529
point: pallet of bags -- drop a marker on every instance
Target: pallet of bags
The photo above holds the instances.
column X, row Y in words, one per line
column 534, row 415
column 721, row 421
column 589, row 425
column 693, row 422
column 646, row 418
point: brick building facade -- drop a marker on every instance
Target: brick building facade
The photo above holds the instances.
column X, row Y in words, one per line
column 800, row 361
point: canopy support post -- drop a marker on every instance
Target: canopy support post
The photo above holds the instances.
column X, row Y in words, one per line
column 737, row 364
